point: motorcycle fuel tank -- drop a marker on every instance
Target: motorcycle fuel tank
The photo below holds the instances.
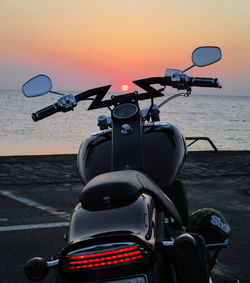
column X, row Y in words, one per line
column 164, row 150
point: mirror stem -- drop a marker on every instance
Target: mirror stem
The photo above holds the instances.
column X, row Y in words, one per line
column 188, row 68
column 56, row 92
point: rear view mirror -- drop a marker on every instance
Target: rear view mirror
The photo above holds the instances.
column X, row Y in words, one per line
column 36, row 86
column 206, row 55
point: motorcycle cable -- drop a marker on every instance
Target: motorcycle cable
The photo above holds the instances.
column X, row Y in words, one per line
column 185, row 94
column 147, row 117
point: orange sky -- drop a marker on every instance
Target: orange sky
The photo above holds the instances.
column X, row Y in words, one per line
column 86, row 43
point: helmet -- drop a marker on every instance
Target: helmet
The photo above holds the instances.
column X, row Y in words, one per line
column 211, row 224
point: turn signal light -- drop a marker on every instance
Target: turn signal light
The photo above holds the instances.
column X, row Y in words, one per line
column 36, row 269
column 184, row 245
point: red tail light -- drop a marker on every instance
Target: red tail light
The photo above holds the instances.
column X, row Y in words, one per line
column 82, row 259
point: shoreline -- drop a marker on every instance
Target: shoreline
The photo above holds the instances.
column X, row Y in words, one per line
column 70, row 155
column 62, row 168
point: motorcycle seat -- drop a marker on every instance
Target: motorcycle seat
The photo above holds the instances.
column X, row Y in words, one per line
column 120, row 188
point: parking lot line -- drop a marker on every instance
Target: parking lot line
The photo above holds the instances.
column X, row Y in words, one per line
column 33, row 226
column 36, row 204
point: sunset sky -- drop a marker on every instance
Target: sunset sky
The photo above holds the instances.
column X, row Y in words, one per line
column 87, row 43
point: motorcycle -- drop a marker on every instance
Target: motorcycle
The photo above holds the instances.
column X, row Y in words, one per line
column 132, row 222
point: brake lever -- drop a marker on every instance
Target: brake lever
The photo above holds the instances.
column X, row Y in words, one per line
column 180, row 81
column 66, row 103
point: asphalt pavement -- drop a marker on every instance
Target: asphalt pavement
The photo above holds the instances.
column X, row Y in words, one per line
column 38, row 193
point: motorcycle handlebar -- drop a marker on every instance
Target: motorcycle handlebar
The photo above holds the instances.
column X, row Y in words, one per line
column 204, row 82
column 69, row 102
column 45, row 112
column 184, row 81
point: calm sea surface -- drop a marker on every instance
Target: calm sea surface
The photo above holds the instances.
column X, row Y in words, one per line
column 225, row 119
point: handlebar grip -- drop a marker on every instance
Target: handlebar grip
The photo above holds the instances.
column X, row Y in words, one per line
column 204, row 82
column 45, row 112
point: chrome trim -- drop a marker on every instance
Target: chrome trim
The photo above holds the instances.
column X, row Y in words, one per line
column 215, row 245
column 126, row 129
column 169, row 220
column 53, row 263
column 218, row 245
column 157, row 123
column 67, row 102
column 168, row 243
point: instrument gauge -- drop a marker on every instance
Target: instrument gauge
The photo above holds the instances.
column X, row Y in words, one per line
column 125, row 111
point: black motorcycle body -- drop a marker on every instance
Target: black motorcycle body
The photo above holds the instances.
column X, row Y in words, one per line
column 128, row 227
column 161, row 162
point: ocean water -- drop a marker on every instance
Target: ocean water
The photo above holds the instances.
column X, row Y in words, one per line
column 224, row 119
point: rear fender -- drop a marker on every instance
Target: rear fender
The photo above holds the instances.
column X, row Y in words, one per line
column 136, row 219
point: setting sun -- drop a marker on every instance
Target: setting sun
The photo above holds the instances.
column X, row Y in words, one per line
column 124, row 87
